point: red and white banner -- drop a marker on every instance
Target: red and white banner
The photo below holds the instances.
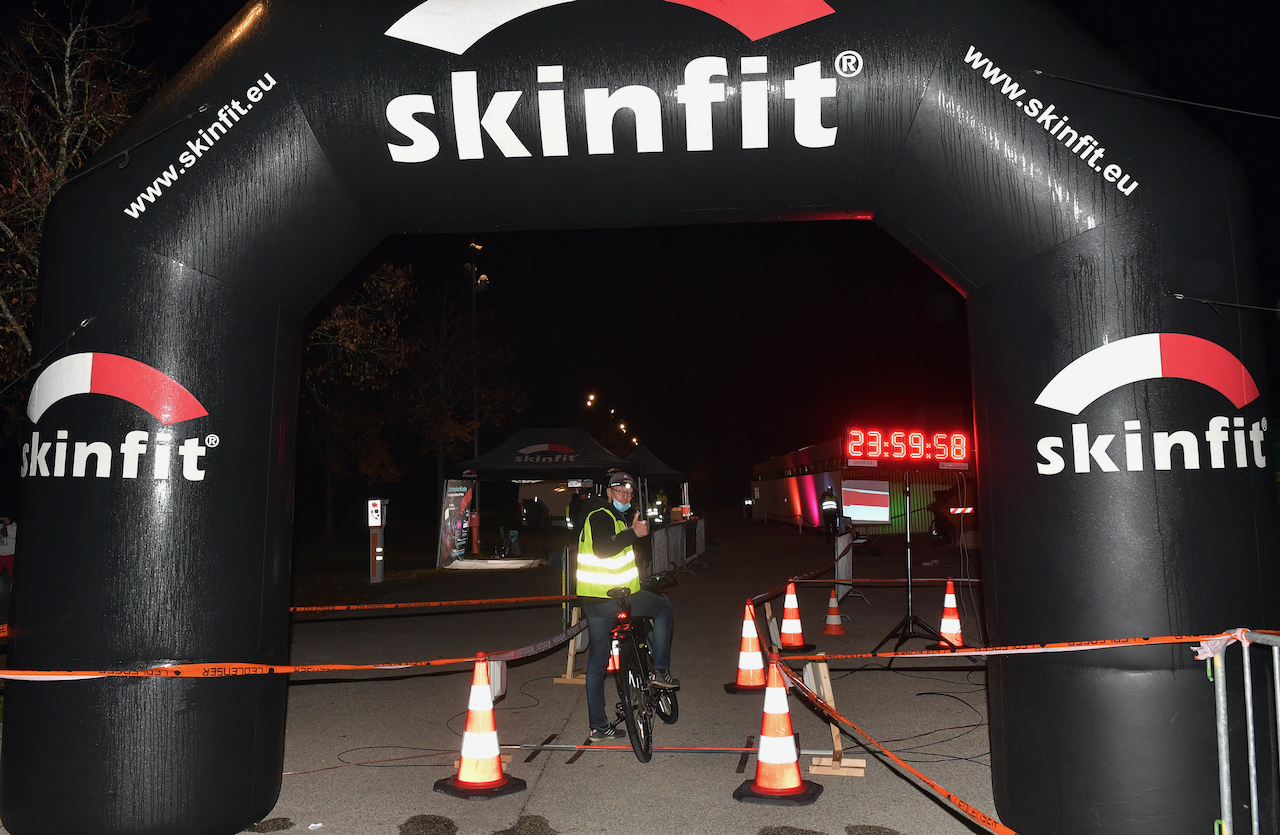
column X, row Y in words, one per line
column 865, row 502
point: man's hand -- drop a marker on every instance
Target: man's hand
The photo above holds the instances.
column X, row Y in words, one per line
column 640, row 525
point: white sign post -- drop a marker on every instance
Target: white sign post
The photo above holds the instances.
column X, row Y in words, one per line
column 377, row 523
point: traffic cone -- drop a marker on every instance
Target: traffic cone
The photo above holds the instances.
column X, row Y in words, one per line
column 950, row 619
column 777, row 764
column 750, row 660
column 480, row 768
column 614, row 663
column 834, row 625
column 792, row 633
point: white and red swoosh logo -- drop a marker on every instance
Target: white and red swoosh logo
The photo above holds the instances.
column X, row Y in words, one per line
column 140, row 384
column 1147, row 357
column 568, row 450
column 455, row 25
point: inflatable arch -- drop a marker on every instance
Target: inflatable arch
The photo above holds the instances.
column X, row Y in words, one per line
column 1126, row 483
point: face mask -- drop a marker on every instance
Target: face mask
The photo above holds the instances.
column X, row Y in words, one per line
column 622, row 508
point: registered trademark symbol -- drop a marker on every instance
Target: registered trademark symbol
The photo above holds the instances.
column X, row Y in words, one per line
column 848, row 63
column 212, row 441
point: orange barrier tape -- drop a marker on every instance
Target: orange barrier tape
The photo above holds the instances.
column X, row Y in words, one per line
column 540, row 646
column 224, row 670
column 865, row 581
column 557, row 598
column 760, row 598
column 1021, row 649
column 981, row 818
column 212, row 670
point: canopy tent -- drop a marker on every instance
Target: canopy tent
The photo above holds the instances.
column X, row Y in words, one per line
column 642, row 462
column 544, row 454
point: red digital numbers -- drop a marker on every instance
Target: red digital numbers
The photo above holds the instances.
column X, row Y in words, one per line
column 941, row 446
column 899, row 448
column 903, row 444
column 916, row 441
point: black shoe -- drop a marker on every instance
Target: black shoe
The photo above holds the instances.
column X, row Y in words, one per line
column 662, row 679
column 607, row 735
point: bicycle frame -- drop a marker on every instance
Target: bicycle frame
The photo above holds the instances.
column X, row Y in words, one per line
column 639, row 699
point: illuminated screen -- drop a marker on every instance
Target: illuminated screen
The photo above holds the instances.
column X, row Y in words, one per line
column 865, row 502
column 875, row 446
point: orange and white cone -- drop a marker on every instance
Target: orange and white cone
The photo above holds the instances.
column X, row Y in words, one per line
column 614, row 662
column 950, row 628
column 792, row 633
column 480, row 767
column 834, row 625
column 750, row 660
column 777, row 764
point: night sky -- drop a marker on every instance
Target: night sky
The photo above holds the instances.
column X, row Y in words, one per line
column 723, row 345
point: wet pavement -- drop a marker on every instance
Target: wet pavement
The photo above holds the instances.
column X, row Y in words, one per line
column 363, row 751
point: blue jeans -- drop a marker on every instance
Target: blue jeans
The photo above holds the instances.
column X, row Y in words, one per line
column 600, row 620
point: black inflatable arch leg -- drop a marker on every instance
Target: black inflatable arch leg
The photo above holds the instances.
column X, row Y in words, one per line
column 1125, row 485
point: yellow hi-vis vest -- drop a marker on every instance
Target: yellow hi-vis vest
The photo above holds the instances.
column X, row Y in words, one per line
column 828, row 502
column 596, row 575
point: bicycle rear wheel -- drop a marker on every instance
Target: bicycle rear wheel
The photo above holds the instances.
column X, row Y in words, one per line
column 633, row 690
column 663, row 701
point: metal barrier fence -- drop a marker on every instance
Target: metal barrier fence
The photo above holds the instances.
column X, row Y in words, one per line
column 1218, row 667
column 675, row 546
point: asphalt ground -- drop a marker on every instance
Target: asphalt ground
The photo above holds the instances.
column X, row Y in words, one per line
column 363, row 751
column 932, row 714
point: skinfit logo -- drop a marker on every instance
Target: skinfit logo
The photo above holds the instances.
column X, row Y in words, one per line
column 546, row 453
column 1148, row 357
column 711, row 82
column 151, row 390
column 455, row 25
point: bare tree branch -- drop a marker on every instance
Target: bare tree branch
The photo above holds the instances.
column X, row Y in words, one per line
column 65, row 88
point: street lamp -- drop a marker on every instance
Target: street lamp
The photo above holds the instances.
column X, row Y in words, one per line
column 479, row 283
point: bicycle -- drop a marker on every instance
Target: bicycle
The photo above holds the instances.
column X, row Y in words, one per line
column 639, row 699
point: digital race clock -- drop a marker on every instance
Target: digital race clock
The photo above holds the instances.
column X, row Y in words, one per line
column 906, row 448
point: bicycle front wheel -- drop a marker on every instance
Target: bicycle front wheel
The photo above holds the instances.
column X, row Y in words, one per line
column 633, row 690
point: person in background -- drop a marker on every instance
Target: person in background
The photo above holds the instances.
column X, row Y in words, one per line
column 606, row 560
column 574, row 512
column 662, row 507
column 8, row 539
column 830, row 514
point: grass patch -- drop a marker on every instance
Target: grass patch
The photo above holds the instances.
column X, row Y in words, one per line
column 349, row 589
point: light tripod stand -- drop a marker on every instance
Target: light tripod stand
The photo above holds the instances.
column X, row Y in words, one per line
column 910, row 626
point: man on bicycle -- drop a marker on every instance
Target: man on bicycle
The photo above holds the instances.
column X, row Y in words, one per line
column 606, row 560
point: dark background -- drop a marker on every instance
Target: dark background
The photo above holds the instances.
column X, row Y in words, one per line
column 723, row 345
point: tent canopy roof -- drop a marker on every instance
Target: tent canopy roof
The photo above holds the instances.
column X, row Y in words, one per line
column 545, row 454
column 644, row 463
